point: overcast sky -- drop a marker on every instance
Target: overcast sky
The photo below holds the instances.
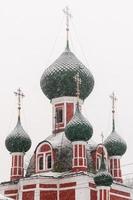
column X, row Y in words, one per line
column 32, row 36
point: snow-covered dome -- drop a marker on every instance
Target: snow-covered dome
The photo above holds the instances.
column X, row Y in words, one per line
column 103, row 177
column 58, row 79
column 115, row 144
column 78, row 129
column 18, row 140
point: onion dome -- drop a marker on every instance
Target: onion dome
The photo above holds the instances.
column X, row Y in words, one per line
column 114, row 143
column 58, row 79
column 78, row 129
column 18, row 140
column 103, row 177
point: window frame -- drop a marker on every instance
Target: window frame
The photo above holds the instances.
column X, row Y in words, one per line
column 56, row 115
column 44, row 156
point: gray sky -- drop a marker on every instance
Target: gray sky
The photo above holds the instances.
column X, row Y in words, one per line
column 32, row 36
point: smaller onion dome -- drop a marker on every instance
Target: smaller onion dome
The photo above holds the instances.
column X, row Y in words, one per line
column 115, row 144
column 18, row 140
column 78, row 129
column 103, row 177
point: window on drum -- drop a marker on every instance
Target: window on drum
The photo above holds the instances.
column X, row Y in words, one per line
column 59, row 115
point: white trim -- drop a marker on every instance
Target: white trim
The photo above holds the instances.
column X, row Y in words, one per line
column 79, row 142
column 117, row 168
column 65, row 115
column 56, row 106
column 103, row 187
column 115, row 157
column 44, row 155
column 104, row 149
column 37, row 192
column 119, row 195
column 17, row 153
column 67, row 99
column 17, row 167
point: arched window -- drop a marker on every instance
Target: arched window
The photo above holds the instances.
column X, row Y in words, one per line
column 99, row 151
column 41, row 163
column 44, row 157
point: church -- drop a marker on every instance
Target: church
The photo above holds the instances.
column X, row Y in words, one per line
column 68, row 164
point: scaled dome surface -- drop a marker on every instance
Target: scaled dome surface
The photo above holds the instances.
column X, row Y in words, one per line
column 103, row 177
column 58, row 79
column 18, row 140
column 78, row 129
column 115, row 144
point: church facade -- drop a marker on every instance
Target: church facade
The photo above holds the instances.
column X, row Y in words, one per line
column 67, row 165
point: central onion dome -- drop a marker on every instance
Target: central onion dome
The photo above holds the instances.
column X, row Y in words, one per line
column 78, row 129
column 103, row 177
column 18, row 140
column 58, row 79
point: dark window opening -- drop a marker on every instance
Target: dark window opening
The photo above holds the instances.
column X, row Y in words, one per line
column 59, row 115
column 97, row 163
column 41, row 163
column 49, row 161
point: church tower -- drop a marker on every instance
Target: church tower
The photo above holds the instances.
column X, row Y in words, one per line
column 18, row 143
column 79, row 131
column 58, row 84
column 103, row 181
column 116, row 147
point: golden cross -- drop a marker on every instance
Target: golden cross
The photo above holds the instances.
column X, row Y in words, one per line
column 20, row 95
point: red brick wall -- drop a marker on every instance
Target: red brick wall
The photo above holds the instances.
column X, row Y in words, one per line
column 29, row 186
column 118, row 192
column 113, row 197
column 7, row 192
column 11, row 193
column 45, row 148
column 28, row 195
column 67, row 194
column 93, row 194
column 125, row 195
column 48, row 195
column 69, row 111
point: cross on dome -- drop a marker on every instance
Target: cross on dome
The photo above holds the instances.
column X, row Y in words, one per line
column 20, row 95
column 114, row 99
column 68, row 15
